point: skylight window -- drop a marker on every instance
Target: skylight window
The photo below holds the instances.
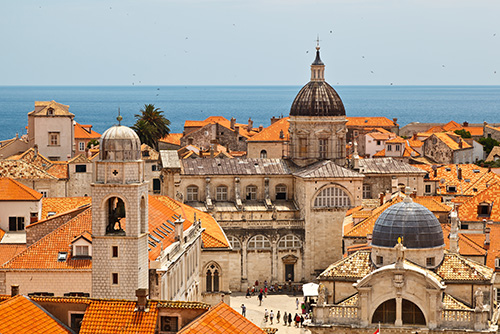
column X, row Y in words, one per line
column 62, row 256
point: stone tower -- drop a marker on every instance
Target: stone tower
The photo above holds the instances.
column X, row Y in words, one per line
column 119, row 217
column 317, row 121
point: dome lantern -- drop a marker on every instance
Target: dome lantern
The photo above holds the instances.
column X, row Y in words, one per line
column 120, row 143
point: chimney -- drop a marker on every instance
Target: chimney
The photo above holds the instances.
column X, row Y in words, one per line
column 282, row 134
column 211, row 150
column 466, row 124
column 274, row 120
column 395, row 120
column 261, row 128
column 250, row 124
column 179, row 230
column 435, row 169
column 233, row 122
column 142, row 299
column 459, row 176
column 487, row 237
column 454, row 232
column 14, row 290
column 382, row 196
column 369, row 239
column 415, row 136
column 460, row 144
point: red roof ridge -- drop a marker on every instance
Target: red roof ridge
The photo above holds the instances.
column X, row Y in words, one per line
column 32, row 195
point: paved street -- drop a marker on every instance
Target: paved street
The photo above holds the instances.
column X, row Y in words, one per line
column 255, row 313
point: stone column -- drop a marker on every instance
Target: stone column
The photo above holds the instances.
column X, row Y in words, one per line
column 207, row 188
column 244, row 263
column 274, row 259
column 399, row 306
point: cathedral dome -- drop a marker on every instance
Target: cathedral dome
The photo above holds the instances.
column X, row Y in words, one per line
column 317, row 97
column 414, row 223
column 120, row 143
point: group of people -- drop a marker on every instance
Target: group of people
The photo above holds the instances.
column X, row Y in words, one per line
column 288, row 318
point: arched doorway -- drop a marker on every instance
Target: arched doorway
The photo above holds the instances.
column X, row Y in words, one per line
column 410, row 313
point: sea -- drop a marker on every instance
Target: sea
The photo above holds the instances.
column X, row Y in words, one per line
column 99, row 105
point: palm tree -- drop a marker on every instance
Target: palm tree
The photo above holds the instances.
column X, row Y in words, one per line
column 151, row 125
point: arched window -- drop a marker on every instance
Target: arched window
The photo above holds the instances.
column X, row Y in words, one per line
column 259, row 242
column 192, row 193
column 289, row 241
column 251, row 193
column 263, row 154
column 116, row 215
column 332, row 197
column 410, row 313
column 234, row 242
column 281, row 191
column 385, row 313
column 221, row 193
column 212, row 278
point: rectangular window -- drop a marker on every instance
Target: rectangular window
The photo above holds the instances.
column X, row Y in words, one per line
column 81, row 168
column 452, row 189
column 398, row 147
column 378, row 142
column 114, row 251
column 169, row 324
column 430, row 262
column 302, row 147
column 221, row 193
column 45, row 193
column 33, row 217
column 367, row 191
column 192, row 193
column 389, row 147
column 81, row 146
column 323, row 148
column 154, row 167
column 114, row 278
column 156, row 186
column 380, row 260
column 428, row 188
column 16, row 223
column 82, row 250
column 53, row 138
column 76, row 321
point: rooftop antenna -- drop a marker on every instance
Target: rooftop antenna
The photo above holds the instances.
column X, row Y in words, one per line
column 119, row 118
column 317, row 42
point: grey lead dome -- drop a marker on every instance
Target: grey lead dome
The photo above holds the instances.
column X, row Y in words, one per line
column 317, row 98
column 417, row 226
column 120, row 143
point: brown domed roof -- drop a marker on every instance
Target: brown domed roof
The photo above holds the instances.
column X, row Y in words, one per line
column 317, row 98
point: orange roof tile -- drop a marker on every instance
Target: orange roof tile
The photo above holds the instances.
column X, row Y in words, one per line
column 354, row 266
column 468, row 211
column 42, row 108
column 115, row 316
column 380, row 153
column 8, row 251
column 59, row 169
column 22, row 315
column 222, row 319
column 494, row 249
column 410, row 152
column 447, row 138
column 415, row 142
column 11, row 190
column 35, row 159
column 278, row 131
column 85, row 132
column 369, row 121
column 172, row 138
column 467, row 246
column 381, row 136
column 43, row 254
column 62, row 204
column 458, row 268
column 396, row 140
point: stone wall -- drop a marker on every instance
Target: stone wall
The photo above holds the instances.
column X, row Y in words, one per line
column 57, row 282
column 226, row 137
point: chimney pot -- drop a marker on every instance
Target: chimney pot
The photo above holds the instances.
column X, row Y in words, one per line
column 141, row 295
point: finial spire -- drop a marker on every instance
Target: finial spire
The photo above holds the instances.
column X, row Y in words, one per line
column 317, row 43
column 119, row 118
column 317, row 67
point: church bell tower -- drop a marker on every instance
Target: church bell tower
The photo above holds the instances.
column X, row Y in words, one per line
column 119, row 217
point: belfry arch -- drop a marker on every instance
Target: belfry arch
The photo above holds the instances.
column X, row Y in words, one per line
column 116, row 215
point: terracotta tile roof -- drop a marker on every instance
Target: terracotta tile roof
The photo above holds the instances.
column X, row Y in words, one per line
column 410, row 152
column 451, row 303
column 476, row 131
column 42, row 107
column 380, row 153
column 396, row 140
column 8, row 251
column 221, row 319
column 494, row 249
column 11, row 190
column 415, row 142
column 432, row 203
column 467, row 243
column 352, row 210
column 2, row 233
column 355, row 266
column 182, row 305
column 18, row 169
column 59, row 205
column 80, row 158
column 468, row 211
column 274, row 131
column 43, row 254
column 458, row 268
column 85, row 132
column 448, row 139
column 350, row 301
column 381, row 136
column 59, row 169
column 494, row 154
column 21, row 315
column 172, row 138
column 110, row 316
column 72, row 300
column 213, row 236
column 369, row 121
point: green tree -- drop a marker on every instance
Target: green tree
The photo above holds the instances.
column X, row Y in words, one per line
column 463, row 133
column 151, row 125
column 488, row 144
column 91, row 142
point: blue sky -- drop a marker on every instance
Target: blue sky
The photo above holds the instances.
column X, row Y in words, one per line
column 249, row 42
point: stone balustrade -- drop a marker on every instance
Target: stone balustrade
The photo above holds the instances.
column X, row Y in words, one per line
column 457, row 319
column 274, row 224
column 329, row 314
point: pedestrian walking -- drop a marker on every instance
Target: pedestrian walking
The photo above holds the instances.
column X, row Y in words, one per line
column 289, row 319
column 271, row 316
column 248, row 293
column 285, row 318
column 243, row 310
column 297, row 320
column 265, row 292
column 266, row 315
column 296, row 303
column 278, row 315
column 301, row 321
column 260, row 299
